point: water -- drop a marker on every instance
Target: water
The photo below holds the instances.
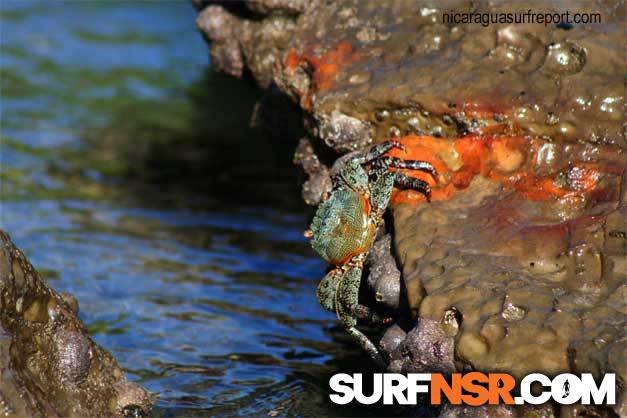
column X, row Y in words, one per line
column 131, row 179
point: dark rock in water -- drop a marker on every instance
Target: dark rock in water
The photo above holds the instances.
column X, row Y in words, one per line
column 49, row 366
column 391, row 340
column 132, row 399
column 426, row 348
column 500, row 411
column 459, row 411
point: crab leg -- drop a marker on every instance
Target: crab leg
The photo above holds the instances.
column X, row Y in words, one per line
column 346, row 301
column 409, row 164
column 381, row 191
column 363, row 312
column 407, row 182
column 328, row 288
column 378, row 150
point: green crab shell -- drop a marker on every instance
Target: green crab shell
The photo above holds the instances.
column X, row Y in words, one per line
column 341, row 227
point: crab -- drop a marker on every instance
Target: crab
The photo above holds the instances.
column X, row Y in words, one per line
column 345, row 225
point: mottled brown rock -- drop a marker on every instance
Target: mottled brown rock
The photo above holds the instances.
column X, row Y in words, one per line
column 267, row 7
column 71, row 300
column 49, row 365
column 237, row 44
column 536, row 293
column 402, row 68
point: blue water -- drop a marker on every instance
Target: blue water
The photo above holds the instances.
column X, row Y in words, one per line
column 210, row 305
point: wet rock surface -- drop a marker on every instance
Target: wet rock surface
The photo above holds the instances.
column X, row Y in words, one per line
column 49, row 365
column 519, row 262
column 500, row 411
column 384, row 278
column 425, row 349
column 400, row 68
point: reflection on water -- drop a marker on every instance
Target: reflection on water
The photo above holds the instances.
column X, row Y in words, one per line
column 131, row 179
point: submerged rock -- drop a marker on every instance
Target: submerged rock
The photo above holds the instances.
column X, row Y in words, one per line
column 49, row 366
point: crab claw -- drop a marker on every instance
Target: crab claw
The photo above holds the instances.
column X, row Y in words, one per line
column 434, row 173
column 308, row 233
column 396, row 144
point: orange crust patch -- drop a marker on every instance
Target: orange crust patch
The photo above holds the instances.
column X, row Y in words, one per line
column 326, row 65
column 511, row 160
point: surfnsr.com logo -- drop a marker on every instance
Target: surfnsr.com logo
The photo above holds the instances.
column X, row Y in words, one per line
column 474, row 389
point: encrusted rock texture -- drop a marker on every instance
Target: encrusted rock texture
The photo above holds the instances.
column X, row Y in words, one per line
column 519, row 263
column 49, row 366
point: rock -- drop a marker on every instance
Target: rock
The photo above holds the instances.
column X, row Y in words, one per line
column 500, row 411
column 342, row 132
column 235, row 43
column 519, row 259
column 73, row 356
column 319, row 182
column 385, row 278
column 49, row 365
column 267, row 7
column 426, row 349
column 486, row 411
column 219, row 26
column 71, row 300
column 365, row 60
column 391, row 340
column 132, row 399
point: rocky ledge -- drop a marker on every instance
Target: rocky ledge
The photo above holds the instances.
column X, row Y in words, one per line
column 49, row 366
column 519, row 262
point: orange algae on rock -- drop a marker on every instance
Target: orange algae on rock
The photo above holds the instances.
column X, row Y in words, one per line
column 510, row 160
column 326, row 65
